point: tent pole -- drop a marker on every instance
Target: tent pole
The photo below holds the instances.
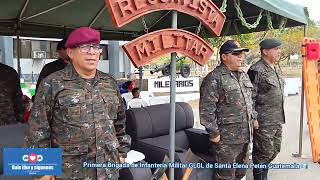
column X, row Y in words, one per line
column 140, row 78
column 23, row 9
column 299, row 154
column 18, row 36
column 174, row 25
column 48, row 10
column 302, row 101
column 18, row 53
column 96, row 17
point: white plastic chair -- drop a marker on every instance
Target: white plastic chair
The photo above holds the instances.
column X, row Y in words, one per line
column 136, row 103
column 127, row 96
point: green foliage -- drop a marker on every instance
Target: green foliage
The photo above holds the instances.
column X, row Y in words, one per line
column 291, row 38
column 185, row 60
column 166, row 59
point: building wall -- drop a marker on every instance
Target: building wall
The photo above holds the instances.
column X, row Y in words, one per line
column 117, row 63
column 6, row 48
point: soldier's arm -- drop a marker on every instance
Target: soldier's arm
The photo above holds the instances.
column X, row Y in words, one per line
column 38, row 134
column 254, row 78
column 120, row 126
column 17, row 99
column 209, row 96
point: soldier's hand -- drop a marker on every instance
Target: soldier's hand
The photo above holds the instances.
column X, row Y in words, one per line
column 255, row 124
column 122, row 160
column 46, row 178
column 216, row 139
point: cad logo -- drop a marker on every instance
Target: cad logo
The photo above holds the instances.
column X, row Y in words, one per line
column 32, row 158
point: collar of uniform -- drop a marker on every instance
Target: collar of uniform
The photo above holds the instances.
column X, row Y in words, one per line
column 71, row 74
column 269, row 68
column 266, row 64
column 226, row 70
column 100, row 75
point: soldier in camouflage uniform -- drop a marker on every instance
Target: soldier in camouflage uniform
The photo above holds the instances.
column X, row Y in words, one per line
column 80, row 110
column 268, row 98
column 11, row 101
column 226, row 110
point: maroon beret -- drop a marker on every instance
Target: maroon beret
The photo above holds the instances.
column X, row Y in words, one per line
column 83, row 35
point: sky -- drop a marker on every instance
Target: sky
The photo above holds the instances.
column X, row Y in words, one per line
column 312, row 5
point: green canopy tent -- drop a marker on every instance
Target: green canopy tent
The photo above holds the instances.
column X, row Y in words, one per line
column 56, row 18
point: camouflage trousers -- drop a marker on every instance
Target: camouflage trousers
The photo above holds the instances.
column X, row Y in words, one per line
column 227, row 154
column 266, row 143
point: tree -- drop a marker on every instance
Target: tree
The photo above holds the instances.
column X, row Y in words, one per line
column 290, row 37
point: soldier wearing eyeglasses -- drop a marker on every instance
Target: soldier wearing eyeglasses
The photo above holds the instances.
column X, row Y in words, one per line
column 226, row 111
column 268, row 100
column 79, row 109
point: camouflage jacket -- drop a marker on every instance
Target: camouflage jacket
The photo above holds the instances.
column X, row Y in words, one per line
column 267, row 93
column 11, row 102
column 86, row 119
column 226, row 105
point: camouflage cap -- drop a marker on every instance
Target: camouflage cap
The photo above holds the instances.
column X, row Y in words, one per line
column 269, row 43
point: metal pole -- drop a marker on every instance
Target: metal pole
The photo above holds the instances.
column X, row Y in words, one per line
column 140, row 78
column 18, row 37
column 97, row 16
column 299, row 154
column 174, row 25
column 18, row 53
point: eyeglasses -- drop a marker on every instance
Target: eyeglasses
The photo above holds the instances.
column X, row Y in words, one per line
column 85, row 48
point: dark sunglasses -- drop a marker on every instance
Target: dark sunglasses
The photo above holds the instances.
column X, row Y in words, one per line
column 235, row 53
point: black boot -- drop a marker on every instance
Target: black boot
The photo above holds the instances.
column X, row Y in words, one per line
column 258, row 174
column 265, row 174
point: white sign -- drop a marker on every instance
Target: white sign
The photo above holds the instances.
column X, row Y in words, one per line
column 182, row 85
column 39, row 54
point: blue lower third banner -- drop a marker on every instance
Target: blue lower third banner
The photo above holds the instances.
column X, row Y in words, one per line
column 32, row 161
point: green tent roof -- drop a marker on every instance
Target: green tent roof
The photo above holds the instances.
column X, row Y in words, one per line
column 283, row 8
column 56, row 18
